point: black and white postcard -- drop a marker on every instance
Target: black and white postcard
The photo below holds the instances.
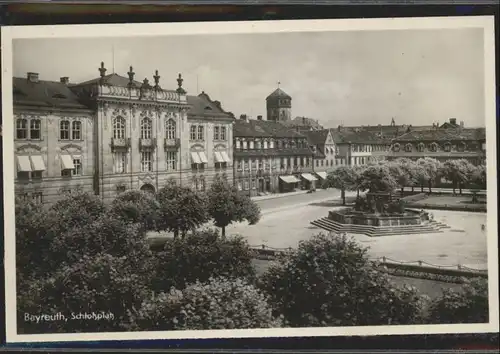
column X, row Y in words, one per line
column 250, row 179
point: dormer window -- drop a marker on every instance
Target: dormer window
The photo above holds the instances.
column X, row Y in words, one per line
column 434, row 147
column 421, row 147
column 461, row 146
column 396, row 147
column 408, row 147
column 447, row 147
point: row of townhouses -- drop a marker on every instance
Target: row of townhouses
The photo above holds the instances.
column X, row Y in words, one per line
column 113, row 133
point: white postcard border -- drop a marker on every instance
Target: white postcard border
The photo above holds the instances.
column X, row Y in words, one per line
column 162, row 29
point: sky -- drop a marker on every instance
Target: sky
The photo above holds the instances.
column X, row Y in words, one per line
column 417, row 77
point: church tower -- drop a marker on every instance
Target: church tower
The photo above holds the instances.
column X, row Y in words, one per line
column 279, row 106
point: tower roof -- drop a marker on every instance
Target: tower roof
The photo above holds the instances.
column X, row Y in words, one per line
column 278, row 93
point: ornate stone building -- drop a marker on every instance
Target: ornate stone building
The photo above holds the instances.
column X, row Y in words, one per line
column 270, row 158
column 113, row 133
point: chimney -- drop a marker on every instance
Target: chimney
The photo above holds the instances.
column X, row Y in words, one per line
column 244, row 117
column 64, row 80
column 453, row 121
column 304, row 120
column 259, row 117
column 461, row 124
column 33, row 77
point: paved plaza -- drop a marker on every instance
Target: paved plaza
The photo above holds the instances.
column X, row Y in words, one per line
column 286, row 221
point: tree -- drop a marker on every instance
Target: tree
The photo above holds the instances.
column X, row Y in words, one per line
column 137, row 207
column 357, row 172
column 181, row 209
column 479, row 176
column 329, row 281
column 200, row 256
column 343, row 178
column 217, row 304
column 421, row 175
column 401, row 174
column 467, row 305
column 459, row 172
column 378, row 178
column 432, row 169
column 226, row 205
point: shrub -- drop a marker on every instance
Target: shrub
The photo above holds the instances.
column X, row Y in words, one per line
column 137, row 207
column 329, row 281
column 200, row 256
column 469, row 305
column 218, row 304
column 96, row 284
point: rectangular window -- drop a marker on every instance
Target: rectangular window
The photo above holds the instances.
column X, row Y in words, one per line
column 36, row 174
column 171, row 160
column 216, row 133
column 66, row 173
column 21, row 129
column 247, row 185
column 245, row 144
column 223, row 135
column 201, row 135
column 76, row 130
column 238, row 144
column 146, row 161
column 37, row 197
column 22, row 175
column 192, row 132
column 120, row 162
column 77, row 171
column 64, row 130
column 35, row 129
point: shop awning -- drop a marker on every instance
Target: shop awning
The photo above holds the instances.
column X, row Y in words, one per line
column 23, row 164
column 37, row 163
column 321, row 174
column 67, row 162
column 225, row 157
column 218, row 157
column 289, row 179
column 203, row 157
column 309, row 177
column 195, row 158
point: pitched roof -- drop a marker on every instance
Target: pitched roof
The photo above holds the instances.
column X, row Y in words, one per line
column 278, row 93
column 44, row 94
column 112, row 80
column 347, row 136
column 316, row 137
column 263, row 128
column 444, row 134
column 202, row 106
column 303, row 122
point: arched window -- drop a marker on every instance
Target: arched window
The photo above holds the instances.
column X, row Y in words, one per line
column 146, row 128
column 64, row 130
column 21, row 129
column 76, row 130
column 396, row 147
column 35, row 129
column 408, row 147
column 434, row 147
column 119, row 128
column 170, row 129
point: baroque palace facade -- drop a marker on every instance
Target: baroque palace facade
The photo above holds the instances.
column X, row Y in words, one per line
column 113, row 133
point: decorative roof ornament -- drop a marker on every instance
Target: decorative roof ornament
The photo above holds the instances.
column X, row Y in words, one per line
column 145, row 84
column 131, row 76
column 180, row 90
column 102, row 71
column 156, row 77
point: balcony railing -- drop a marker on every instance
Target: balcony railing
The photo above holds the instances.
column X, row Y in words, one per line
column 147, row 143
column 172, row 143
column 123, row 143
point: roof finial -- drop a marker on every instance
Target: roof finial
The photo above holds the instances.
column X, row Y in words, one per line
column 157, row 80
column 131, row 76
column 279, row 83
column 180, row 90
column 102, row 69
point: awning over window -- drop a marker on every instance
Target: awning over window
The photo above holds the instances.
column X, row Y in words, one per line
column 309, row 177
column 321, row 174
column 203, row 157
column 289, row 179
column 67, row 162
column 195, row 157
column 218, row 157
column 23, row 164
column 37, row 163
column 225, row 157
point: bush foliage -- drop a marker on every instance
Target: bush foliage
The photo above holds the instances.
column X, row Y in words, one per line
column 328, row 281
column 216, row 304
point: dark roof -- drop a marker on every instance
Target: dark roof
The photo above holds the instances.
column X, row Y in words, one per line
column 278, row 93
column 303, row 122
column 444, row 134
column 347, row 136
column 263, row 128
column 316, row 137
column 202, row 106
column 44, row 94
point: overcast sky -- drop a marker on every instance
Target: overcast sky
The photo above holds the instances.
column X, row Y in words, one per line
column 356, row 78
